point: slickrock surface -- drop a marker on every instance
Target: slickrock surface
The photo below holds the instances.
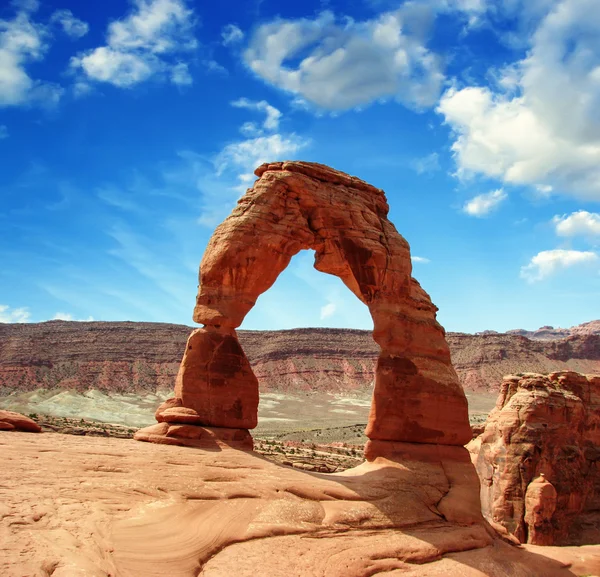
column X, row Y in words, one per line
column 11, row 421
column 538, row 458
column 127, row 357
column 73, row 506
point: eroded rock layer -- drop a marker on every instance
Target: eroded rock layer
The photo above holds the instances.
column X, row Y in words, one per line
column 538, row 458
column 295, row 206
column 135, row 357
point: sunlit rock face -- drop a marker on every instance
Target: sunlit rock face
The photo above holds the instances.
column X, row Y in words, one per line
column 538, row 458
column 295, row 206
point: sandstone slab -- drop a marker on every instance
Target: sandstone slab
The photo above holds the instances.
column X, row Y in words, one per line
column 102, row 506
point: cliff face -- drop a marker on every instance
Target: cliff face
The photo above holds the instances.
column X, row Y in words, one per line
column 127, row 356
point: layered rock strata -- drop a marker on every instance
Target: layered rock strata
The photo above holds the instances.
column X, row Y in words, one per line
column 140, row 358
column 295, row 206
column 538, row 459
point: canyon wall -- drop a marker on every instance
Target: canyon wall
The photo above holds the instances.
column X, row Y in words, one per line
column 140, row 357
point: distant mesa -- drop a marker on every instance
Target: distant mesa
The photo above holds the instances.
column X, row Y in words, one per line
column 295, row 206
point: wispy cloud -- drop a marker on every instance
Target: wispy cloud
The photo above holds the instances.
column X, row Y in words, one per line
column 419, row 259
column 71, row 26
column 60, row 316
column 428, row 164
column 18, row 315
column 263, row 144
column 231, row 34
column 272, row 116
column 3, row 131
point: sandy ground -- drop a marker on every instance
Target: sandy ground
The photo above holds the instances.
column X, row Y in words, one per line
column 98, row 507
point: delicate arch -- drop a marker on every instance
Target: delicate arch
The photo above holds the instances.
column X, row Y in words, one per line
column 295, row 206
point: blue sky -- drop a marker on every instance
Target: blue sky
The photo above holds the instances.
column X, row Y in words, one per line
column 129, row 128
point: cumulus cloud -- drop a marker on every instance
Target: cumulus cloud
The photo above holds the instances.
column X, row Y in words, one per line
column 3, row 131
column 22, row 42
column 581, row 223
column 540, row 126
column 549, row 262
column 142, row 45
column 419, row 259
column 342, row 64
column 231, row 34
column 483, row 204
column 72, row 26
column 8, row 315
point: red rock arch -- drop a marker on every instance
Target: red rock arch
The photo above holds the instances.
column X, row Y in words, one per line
column 295, row 206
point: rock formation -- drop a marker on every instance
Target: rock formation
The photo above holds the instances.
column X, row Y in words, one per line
column 10, row 421
column 538, row 459
column 295, row 206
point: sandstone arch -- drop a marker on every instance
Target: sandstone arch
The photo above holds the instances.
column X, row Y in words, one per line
column 295, row 206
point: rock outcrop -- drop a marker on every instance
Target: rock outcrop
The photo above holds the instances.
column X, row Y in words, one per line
column 141, row 358
column 538, row 459
column 295, row 206
column 11, row 421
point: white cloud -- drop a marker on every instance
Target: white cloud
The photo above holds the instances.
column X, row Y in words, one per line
column 231, row 34
column 549, row 262
column 3, row 131
column 8, row 315
column 23, row 41
column 272, row 115
column 143, row 45
column 542, row 128
column 72, row 26
column 581, row 223
column 180, row 75
column 346, row 64
column 328, row 310
column 419, row 259
column 262, row 145
column 250, row 153
column 483, row 204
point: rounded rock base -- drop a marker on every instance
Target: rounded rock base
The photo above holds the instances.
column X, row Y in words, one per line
column 185, row 435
